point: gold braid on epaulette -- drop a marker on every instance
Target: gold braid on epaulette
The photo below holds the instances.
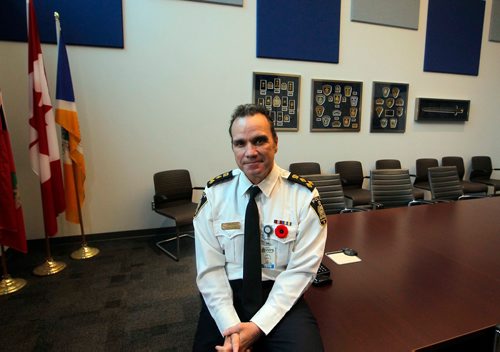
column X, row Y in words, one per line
column 226, row 176
column 301, row 181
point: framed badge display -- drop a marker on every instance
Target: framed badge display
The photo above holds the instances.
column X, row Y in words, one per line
column 389, row 107
column 336, row 106
column 279, row 93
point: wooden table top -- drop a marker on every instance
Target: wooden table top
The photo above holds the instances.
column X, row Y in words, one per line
column 428, row 273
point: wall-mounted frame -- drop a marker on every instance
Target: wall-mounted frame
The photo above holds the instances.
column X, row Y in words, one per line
column 335, row 106
column 443, row 110
column 389, row 107
column 279, row 93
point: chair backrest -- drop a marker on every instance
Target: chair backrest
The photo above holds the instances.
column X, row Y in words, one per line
column 456, row 161
column 421, row 169
column 387, row 164
column 391, row 187
column 444, row 183
column 481, row 168
column 330, row 190
column 305, row 168
column 172, row 187
column 351, row 173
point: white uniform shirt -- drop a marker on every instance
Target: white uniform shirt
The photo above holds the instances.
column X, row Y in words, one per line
column 219, row 236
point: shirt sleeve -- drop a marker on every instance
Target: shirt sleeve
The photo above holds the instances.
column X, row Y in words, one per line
column 303, row 264
column 211, row 278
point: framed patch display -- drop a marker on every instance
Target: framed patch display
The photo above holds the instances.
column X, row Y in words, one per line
column 279, row 93
column 335, row 106
column 389, row 107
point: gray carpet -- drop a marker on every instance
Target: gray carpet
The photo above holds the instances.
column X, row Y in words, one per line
column 131, row 297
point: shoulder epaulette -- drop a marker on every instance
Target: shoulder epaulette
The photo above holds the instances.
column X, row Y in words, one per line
column 226, row 176
column 301, row 181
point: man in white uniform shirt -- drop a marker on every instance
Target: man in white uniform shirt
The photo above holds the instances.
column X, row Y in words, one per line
column 292, row 230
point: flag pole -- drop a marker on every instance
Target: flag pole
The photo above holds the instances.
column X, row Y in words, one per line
column 84, row 252
column 8, row 284
column 50, row 266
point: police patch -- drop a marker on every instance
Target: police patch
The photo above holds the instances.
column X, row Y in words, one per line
column 301, row 181
column 221, row 178
column 318, row 208
column 202, row 202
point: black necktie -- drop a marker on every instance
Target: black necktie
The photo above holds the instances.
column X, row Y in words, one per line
column 252, row 272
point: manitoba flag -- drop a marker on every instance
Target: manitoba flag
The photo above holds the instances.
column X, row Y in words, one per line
column 44, row 147
column 12, row 232
column 67, row 118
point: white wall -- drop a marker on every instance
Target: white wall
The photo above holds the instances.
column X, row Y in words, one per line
column 164, row 102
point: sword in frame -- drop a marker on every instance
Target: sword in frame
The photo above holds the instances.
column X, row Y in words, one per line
column 455, row 111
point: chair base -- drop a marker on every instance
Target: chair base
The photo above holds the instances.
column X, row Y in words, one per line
column 176, row 238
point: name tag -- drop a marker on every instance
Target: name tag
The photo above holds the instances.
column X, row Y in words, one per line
column 231, row 225
column 268, row 255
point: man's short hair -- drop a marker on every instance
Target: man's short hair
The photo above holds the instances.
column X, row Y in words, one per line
column 245, row 110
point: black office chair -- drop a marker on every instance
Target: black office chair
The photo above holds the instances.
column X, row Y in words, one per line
column 422, row 177
column 396, row 164
column 305, row 168
column 329, row 187
column 392, row 188
column 481, row 172
column 351, row 174
column 468, row 186
column 173, row 199
column 387, row 164
column 445, row 184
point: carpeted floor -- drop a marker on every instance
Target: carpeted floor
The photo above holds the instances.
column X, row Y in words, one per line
column 131, row 297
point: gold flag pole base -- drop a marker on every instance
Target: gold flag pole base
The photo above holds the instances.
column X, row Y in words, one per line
column 50, row 267
column 85, row 252
column 10, row 285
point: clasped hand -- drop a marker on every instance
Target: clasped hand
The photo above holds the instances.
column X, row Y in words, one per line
column 240, row 338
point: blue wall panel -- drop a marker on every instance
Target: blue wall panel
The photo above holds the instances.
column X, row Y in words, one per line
column 84, row 22
column 454, row 34
column 298, row 30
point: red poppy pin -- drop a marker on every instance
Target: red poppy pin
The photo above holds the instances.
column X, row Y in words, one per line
column 281, row 231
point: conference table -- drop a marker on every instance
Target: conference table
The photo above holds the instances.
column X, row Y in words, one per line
column 427, row 274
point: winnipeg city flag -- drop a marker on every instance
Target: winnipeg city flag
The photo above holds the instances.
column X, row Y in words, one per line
column 67, row 118
column 12, row 232
column 44, row 147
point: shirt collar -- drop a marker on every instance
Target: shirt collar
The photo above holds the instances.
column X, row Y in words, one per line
column 266, row 185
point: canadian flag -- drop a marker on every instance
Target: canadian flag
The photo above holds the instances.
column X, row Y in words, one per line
column 44, row 146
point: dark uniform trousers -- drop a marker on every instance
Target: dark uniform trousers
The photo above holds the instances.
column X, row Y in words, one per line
column 297, row 331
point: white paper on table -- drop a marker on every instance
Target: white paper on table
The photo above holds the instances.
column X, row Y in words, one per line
column 341, row 258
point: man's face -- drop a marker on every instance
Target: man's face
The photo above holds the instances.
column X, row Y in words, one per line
column 253, row 146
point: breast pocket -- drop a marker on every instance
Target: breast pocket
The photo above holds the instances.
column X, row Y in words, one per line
column 284, row 244
column 231, row 240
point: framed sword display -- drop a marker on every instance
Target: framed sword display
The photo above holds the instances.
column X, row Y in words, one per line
column 443, row 110
column 335, row 106
column 389, row 107
column 279, row 93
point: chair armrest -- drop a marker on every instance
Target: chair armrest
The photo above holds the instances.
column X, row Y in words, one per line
column 420, row 202
column 495, row 168
column 352, row 210
column 158, row 199
column 201, row 188
column 471, row 196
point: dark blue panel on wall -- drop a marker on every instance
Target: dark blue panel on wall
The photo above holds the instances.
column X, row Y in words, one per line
column 298, row 30
column 454, row 34
column 84, row 22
